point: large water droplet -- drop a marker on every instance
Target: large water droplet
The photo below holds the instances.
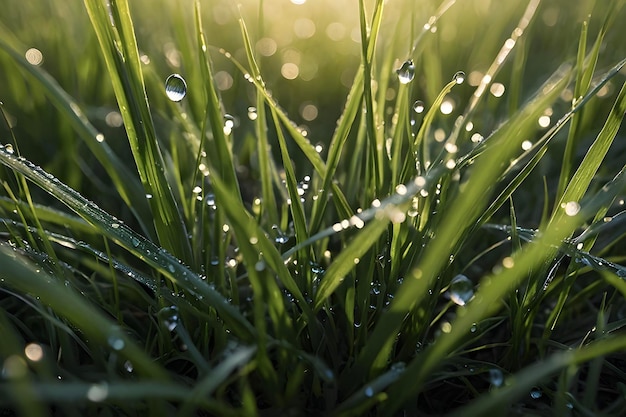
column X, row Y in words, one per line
column 461, row 290
column 418, row 106
column 175, row 87
column 406, row 72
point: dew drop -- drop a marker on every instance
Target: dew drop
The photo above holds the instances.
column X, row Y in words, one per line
column 496, row 378
column 369, row 392
column 536, row 393
column 135, row 241
column 175, row 87
column 229, row 124
column 128, row 365
column 459, row 77
column 418, row 106
column 461, row 290
column 406, row 72
column 169, row 317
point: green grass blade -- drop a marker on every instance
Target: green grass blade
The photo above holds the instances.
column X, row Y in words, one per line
column 218, row 146
column 65, row 302
column 119, row 48
column 125, row 181
column 522, row 382
column 349, row 256
column 470, row 203
column 586, row 171
column 136, row 244
column 264, row 155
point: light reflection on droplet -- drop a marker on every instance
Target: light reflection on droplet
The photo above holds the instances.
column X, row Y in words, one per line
column 175, row 87
column 406, row 72
column 571, row 208
column 418, row 106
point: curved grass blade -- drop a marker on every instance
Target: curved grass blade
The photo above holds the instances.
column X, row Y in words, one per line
column 452, row 228
column 125, row 181
column 64, row 301
column 136, row 244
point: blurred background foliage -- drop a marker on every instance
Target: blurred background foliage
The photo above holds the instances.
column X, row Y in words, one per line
column 308, row 52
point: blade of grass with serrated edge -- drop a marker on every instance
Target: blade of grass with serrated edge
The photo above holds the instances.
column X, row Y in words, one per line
column 115, row 33
column 18, row 274
column 260, row 123
column 126, row 183
column 136, row 244
column 452, row 227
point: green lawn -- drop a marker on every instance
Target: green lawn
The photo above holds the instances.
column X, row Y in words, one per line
column 341, row 208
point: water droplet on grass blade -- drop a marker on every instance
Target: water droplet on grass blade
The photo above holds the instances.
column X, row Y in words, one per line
column 406, row 72
column 369, row 392
column 461, row 290
column 175, row 87
column 459, row 77
column 418, row 106
column 536, row 393
column 169, row 317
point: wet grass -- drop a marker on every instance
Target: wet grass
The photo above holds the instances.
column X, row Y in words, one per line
column 386, row 211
